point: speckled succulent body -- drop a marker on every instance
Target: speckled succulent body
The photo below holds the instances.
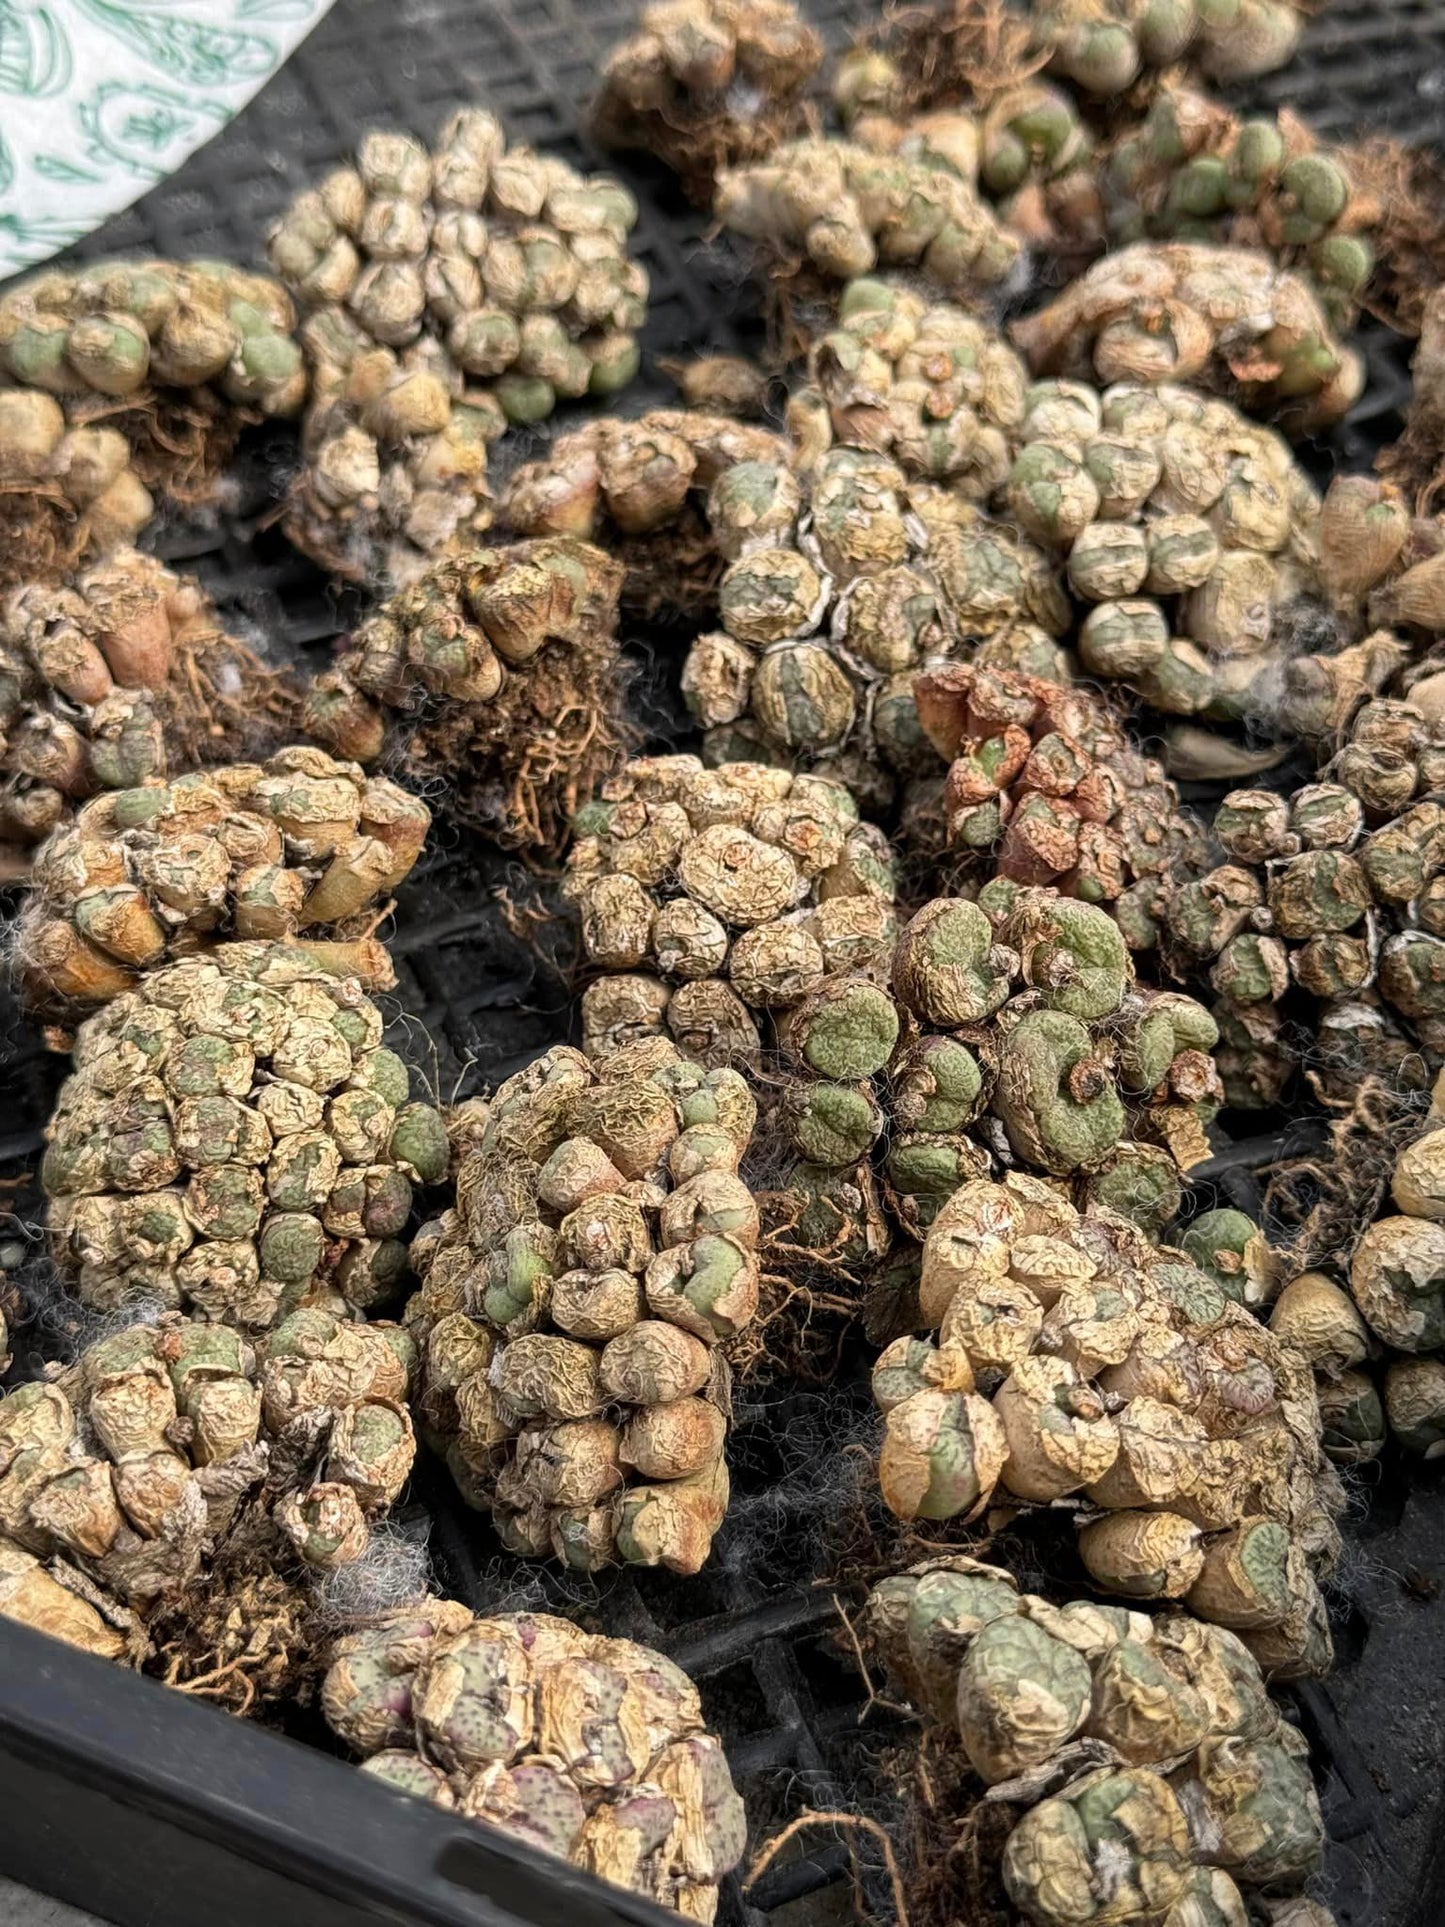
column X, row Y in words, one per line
column 112, row 675
column 600, row 1250
column 127, row 1474
column 301, row 846
column 705, row 84
column 236, row 1141
column 1181, row 1780
column 494, row 673
column 1077, row 1363
column 589, row 1748
column 842, row 584
column 1326, row 901
column 448, row 294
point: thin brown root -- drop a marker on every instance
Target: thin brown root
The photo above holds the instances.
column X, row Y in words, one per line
column 848, row 1823
column 521, row 766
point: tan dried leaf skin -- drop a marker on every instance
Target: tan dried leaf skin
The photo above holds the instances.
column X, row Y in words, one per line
column 600, row 1250
column 585, row 1747
column 641, row 488
column 1198, row 1764
column 1111, row 1369
column 1224, row 318
column 171, row 1476
column 110, row 675
column 840, row 208
column 711, row 897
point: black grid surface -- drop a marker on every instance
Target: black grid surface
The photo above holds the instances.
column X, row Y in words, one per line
column 755, row 1628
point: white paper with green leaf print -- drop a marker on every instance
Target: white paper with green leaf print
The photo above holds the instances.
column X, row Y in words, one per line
column 100, row 99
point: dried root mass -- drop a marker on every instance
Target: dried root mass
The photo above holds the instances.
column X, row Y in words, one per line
column 495, row 674
column 707, row 84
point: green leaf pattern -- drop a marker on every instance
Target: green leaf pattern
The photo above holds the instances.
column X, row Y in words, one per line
column 99, row 99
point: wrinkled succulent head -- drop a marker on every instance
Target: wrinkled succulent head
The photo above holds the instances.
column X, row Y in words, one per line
column 72, row 494
column 600, row 1249
column 118, row 327
column 843, row 582
column 300, row 846
column 235, row 1137
column 495, row 673
column 1067, row 1354
column 830, row 200
column 1170, row 311
column 589, row 1748
column 711, row 897
column 449, row 293
column 926, row 383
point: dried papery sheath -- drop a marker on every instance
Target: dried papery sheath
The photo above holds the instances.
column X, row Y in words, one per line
column 447, row 293
column 707, row 84
column 495, row 672
column 587, row 1748
column 1226, row 319
column 121, row 380
column 235, row 1140
column 831, row 209
column 709, row 897
column 641, row 489
column 179, row 1480
column 1107, row 1372
column 299, row 847
column 1415, row 461
column 575, row 1298
column 110, row 677
column 1158, row 1730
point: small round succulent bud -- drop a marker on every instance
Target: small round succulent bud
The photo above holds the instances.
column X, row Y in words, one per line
column 1314, row 1315
column 1415, row 1404
column 1129, row 1822
column 942, row 1455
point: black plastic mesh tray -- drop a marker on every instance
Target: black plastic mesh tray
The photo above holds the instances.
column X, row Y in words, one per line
column 754, row 1628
